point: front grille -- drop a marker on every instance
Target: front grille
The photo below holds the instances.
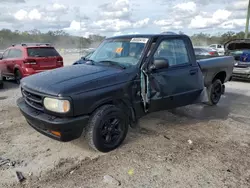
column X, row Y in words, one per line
column 33, row 100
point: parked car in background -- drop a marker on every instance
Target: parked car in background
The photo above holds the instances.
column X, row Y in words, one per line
column 219, row 48
column 240, row 49
column 204, row 52
column 128, row 77
column 21, row 60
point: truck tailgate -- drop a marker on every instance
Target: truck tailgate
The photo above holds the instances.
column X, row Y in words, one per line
column 212, row 66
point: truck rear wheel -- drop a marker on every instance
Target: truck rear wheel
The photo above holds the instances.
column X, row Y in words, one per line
column 214, row 91
column 107, row 129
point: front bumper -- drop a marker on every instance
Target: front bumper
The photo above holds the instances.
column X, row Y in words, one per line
column 241, row 73
column 69, row 128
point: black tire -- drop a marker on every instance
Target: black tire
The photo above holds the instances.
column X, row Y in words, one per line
column 214, row 91
column 110, row 122
column 1, row 80
column 18, row 76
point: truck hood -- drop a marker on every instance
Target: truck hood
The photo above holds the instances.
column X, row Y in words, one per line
column 73, row 79
column 237, row 44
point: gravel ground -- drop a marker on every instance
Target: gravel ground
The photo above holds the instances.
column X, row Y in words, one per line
column 193, row 146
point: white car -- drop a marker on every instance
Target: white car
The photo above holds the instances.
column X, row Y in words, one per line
column 219, row 48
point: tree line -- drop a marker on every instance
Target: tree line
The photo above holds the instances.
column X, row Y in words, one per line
column 61, row 39
column 202, row 39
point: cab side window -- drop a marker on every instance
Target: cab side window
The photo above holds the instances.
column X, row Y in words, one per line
column 15, row 53
column 6, row 54
column 11, row 53
column 174, row 50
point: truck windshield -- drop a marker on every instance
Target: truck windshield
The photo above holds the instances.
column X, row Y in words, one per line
column 123, row 51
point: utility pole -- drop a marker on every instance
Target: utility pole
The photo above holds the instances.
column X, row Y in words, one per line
column 247, row 20
column 80, row 32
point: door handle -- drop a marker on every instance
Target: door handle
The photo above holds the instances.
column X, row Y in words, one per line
column 193, row 71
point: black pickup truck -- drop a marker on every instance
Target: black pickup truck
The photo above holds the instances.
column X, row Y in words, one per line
column 124, row 79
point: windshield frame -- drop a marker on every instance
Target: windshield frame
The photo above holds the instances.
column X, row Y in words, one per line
column 123, row 38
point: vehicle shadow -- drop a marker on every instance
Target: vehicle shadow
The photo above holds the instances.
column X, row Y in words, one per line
column 232, row 105
column 82, row 143
column 10, row 85
column 241, row 80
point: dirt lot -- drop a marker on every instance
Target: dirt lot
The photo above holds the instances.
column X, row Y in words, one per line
column 194, row 146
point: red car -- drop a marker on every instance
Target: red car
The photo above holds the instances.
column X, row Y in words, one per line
column 21, row 60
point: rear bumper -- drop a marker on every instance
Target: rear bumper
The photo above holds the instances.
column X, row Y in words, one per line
column 69, row 128
column 243, row 73
column 30, row 71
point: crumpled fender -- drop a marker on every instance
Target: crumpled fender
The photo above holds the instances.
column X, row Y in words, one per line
column 145, row 93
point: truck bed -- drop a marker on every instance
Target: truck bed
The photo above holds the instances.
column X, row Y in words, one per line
column 212, row 66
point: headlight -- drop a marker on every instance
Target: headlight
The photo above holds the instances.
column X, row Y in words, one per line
column 56, row 105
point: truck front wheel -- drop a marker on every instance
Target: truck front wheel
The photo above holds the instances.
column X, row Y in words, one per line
column 107, row 129
column 214, row 91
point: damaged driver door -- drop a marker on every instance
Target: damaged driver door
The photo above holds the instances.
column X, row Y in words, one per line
column 174, row 76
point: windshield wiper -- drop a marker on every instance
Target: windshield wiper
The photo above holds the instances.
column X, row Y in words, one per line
column 88, row 61
column 113, row 63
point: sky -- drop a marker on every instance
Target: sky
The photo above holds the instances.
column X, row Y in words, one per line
column 116, row 17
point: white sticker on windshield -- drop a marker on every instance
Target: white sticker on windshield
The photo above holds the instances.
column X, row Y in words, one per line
column 139, row 40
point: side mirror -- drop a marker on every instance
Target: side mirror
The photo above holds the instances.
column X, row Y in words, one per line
column 159, row 63
column 1, row 57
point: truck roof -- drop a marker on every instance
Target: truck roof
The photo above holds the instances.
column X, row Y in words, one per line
column 147, row 35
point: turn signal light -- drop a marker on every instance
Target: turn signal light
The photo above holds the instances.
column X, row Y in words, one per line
column 56, row 133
